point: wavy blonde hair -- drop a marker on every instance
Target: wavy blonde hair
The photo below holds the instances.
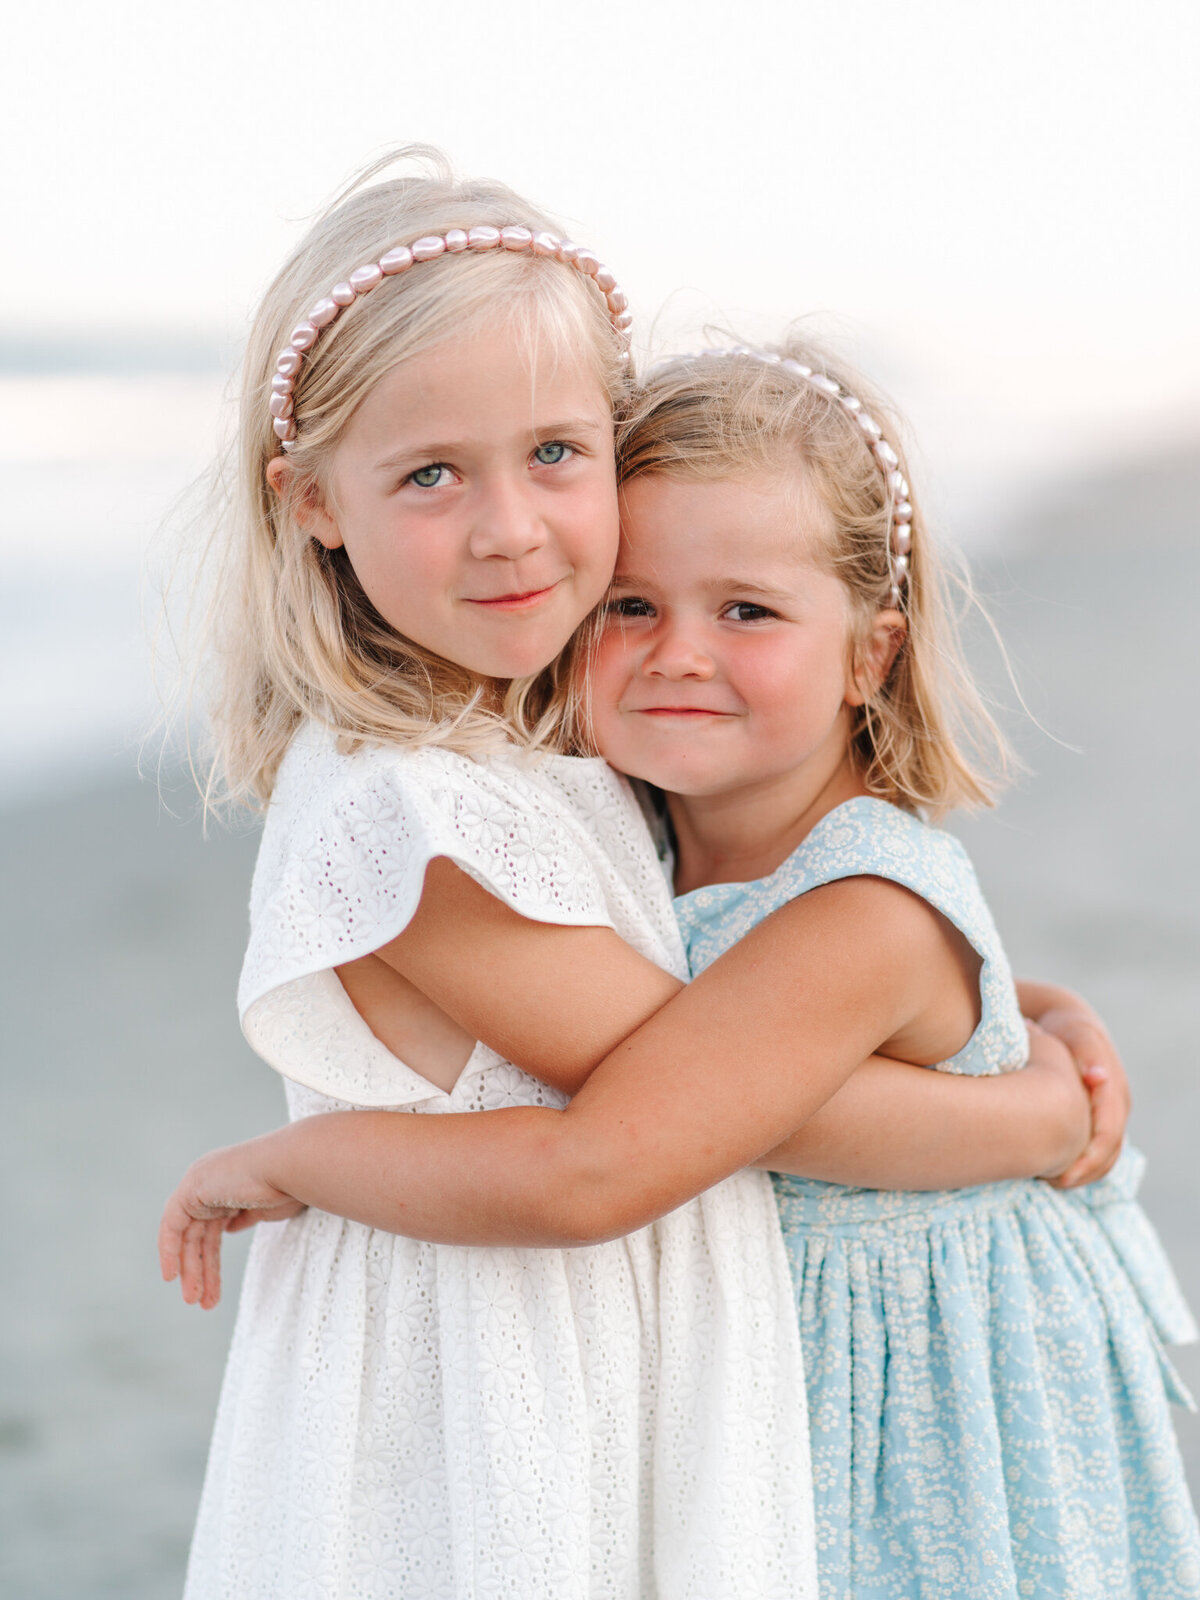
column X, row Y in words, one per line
column 288, row 630
column 925, row 738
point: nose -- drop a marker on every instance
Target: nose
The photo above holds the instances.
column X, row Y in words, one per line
column 677, row 652
column 507, row 522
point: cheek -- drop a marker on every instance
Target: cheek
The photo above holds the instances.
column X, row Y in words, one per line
column 396, row 559
column 608, row 669
column 765, row 675
column 791, row 687
column 595, row 534
column 407, row 584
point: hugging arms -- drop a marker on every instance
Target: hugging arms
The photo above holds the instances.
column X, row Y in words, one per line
column 762, row 1059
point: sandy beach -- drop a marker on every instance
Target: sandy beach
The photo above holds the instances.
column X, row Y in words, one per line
column 123, row 1057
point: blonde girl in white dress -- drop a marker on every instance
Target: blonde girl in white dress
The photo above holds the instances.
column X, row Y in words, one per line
column 426, row 510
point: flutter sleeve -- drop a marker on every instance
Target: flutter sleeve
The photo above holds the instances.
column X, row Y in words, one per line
column 340, row 873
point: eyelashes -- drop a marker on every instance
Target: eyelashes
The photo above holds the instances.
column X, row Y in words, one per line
column 419, row 477
column 628, row 605
column 434, row 474
column 636, row 606
column 552, row 453
column 761, row 613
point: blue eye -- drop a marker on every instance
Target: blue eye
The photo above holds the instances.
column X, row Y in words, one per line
column 427, row 477
column 549, row 455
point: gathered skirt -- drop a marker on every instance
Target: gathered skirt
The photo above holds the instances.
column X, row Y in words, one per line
column 411, row 1421
column 988, row 1392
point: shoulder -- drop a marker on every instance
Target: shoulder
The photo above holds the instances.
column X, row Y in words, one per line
column 327, row 769
column 914, row 891
column 350, row 833
column 871, row 911
column 885, row 871
column 329, row 789
column 872, row 833
column 870, row 838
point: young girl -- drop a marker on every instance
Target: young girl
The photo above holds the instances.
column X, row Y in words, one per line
column 427, row 511
column 985, row 1378
column 399, row 1418
column 751, row 670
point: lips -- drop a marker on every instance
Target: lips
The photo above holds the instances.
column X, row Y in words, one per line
column 517, row 601
column 679, row 711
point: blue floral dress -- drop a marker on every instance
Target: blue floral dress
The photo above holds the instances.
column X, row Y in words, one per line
column 987, row 1386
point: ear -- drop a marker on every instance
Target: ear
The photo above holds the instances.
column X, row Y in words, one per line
column 873, row 656
column 310, row 512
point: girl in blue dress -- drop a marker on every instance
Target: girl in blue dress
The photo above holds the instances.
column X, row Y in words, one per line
column 986, row 1380
column 985, row 1371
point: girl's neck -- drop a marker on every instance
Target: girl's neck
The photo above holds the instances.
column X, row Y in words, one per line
column 746, row 833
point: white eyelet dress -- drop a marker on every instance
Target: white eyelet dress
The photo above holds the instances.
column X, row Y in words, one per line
column 432, row 1422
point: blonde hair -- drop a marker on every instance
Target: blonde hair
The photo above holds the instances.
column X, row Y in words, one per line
column 924, row 739
column 292, row 633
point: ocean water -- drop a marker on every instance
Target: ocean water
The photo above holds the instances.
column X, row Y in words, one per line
column 97, row 470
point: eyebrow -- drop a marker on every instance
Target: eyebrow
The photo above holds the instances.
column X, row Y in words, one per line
column 732, row 581
column 437, row 450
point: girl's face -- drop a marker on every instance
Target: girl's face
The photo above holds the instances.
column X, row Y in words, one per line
column 474, row 493
column 724, row 662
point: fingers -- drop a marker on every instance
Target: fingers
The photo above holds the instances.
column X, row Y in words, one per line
column 170, row 1240
column 1108, row 1128
column 191, row 1270
column 189, row 1248
column 224, row 1189
column 180, row 1247
column 210, row 1291
column 1096, row 1162
column 1099, row 1062
column 1101, row 1070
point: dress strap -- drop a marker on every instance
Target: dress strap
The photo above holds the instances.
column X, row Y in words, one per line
column 866, row 837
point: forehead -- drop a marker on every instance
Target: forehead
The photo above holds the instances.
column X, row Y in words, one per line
column 483, row 383
column 500, row 356
column 776, row 518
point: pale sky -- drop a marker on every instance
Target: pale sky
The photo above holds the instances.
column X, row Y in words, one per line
column 995, row 201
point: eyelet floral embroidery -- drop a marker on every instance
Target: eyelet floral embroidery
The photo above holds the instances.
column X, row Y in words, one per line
column 403, row 1419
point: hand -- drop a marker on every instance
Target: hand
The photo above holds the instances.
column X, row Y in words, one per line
column 1064, row 1114
column 222, row 1192
column 1102, row 1071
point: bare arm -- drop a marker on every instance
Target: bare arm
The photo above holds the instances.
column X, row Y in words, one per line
column 893, row 1126
column 883, row 1130
column 555, row 1000
column 705, row 1086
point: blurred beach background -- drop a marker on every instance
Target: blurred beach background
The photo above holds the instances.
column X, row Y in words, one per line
column 991, row 208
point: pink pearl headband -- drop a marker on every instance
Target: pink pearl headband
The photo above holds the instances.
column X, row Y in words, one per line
column 517, row 239
column 899, row 505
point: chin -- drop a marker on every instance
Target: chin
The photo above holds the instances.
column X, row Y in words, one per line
column 671, row 780
column 525, row 663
